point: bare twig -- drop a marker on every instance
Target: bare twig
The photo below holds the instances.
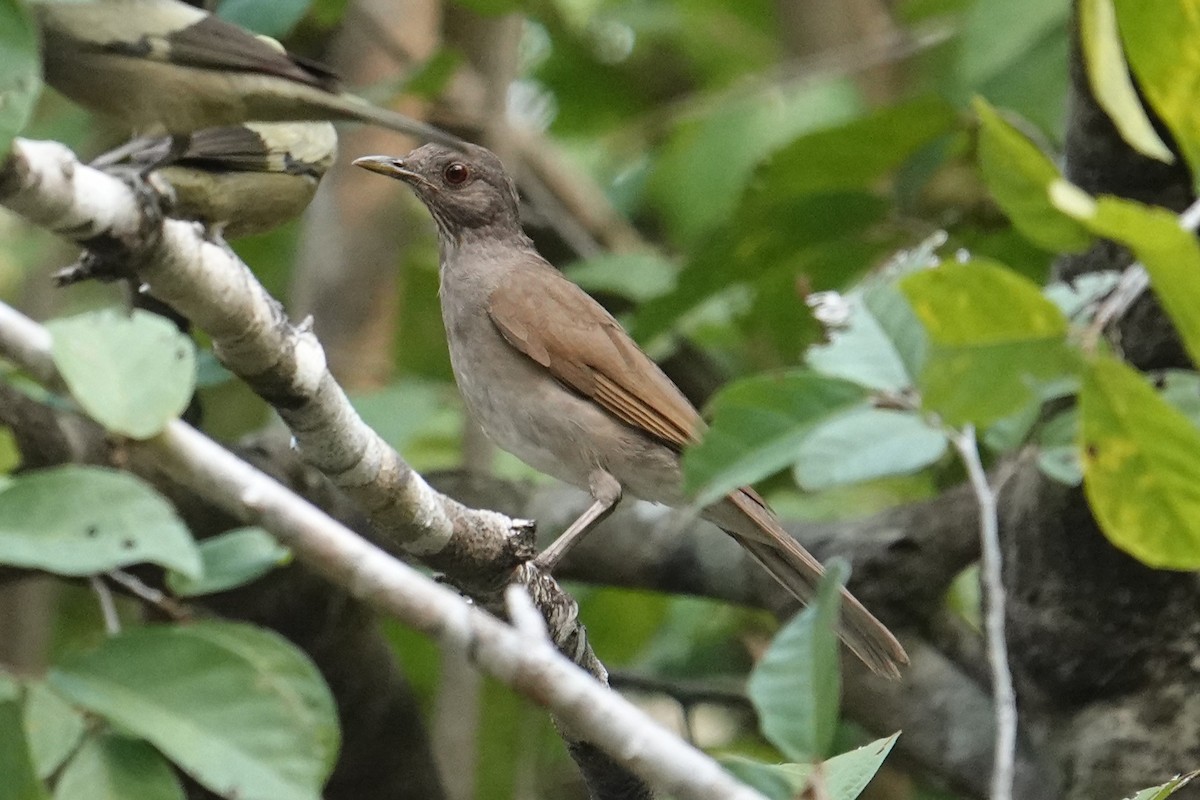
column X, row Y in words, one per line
column 149, row 595
column 1004, row 696
column 108, row 608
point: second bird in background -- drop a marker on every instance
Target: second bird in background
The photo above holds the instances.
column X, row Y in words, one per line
column 238, row 180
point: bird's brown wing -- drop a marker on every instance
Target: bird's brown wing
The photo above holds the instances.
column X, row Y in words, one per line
column 589, row 352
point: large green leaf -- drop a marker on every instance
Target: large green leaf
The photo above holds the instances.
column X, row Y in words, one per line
column 1162, row 42
column 20, row 70
column 808, row 210
column 113, row 767
column 843, row 777
column 1019, row 176
column 796, row 686
column 132, row 374
column 18, row 779
column 758, row 425
column 238, row 708
column 76, row 520
column 231, row 559
column 1141, row 467
column 1170, row 253
column 789, row 237
column 1108, row 77
column 865, row 443
column 54, row 727
column 993, row 340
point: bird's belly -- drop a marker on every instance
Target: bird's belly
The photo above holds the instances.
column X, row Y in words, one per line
column 557, row 431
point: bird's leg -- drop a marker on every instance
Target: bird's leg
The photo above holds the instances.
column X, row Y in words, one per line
column 606, row 493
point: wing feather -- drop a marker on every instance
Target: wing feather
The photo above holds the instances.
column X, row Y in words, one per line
column 588, row 351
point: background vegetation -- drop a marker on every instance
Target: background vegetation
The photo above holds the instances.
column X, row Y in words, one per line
column 715, row 172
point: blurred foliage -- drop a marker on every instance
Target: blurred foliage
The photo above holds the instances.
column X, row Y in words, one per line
column 758, row 182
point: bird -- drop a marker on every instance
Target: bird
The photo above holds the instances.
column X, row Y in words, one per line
column 164, row 67
column 554, row 379
column 238, row 180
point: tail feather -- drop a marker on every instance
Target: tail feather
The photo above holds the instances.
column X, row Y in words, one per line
column 799, row 572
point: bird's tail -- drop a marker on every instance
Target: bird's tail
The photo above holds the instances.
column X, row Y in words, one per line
column 760, row 534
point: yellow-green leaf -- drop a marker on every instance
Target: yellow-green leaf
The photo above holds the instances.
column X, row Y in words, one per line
column 1141, row 467
column 1108, row 76
column 1170, row 254
column 1162, row 43
column 1019, row 175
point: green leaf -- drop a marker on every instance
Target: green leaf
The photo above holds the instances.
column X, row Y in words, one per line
column 1169, row 252
column 700, row 176
column 275, row 19
column 113, row 767
column 76, row 520
column 847, row 775
column 865, row 443
column 1165, row 790
column 796, row 686
column 237, row 708
column 993, row 340
column 997, row 37
column 793, row 235
column 1019, row 176
column 1162, row 43
column 231, row 559
column 862, row 352
column 54, row 728
column 20, row 71
column 758, row 426
column 904, row 331
column 132, row 374
column 18, row 780
column 637, row 276
column 853, row 155
column 776, row 781
column 1108, row 77
column 1141, row 472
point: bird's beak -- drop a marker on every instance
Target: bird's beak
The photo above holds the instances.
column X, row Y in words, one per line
column 386, row 165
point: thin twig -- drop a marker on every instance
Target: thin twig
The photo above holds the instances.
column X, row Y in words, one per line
column 149, row 595
column 1004, row 697
column 108, row 607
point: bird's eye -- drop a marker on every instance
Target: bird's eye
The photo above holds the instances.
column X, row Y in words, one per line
column 456, row 173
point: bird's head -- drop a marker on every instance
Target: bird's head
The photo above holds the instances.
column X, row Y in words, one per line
column 465, row 188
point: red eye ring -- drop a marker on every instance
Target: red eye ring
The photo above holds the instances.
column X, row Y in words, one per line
column 456, row 173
